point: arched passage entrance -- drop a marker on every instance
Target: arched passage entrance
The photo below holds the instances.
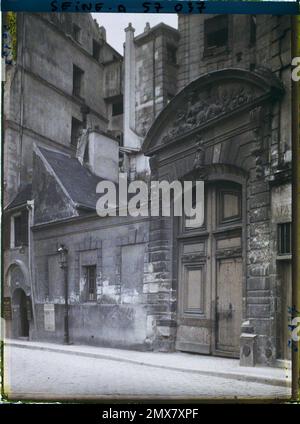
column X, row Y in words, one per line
column 21, row 323
column 18, row 285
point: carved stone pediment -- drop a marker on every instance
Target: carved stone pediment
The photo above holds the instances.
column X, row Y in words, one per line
column 207, row 100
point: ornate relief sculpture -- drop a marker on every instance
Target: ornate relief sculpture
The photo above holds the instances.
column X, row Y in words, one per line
column 205, row 106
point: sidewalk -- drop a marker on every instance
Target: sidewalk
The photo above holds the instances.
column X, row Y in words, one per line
column 177, row 361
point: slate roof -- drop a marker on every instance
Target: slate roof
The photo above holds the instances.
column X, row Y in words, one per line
column 21, row 198
column 77, row 180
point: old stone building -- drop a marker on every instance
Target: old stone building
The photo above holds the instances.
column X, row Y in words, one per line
column 60, row 76
column 210, row 101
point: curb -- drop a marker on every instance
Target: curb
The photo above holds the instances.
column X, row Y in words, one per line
column 232, row 375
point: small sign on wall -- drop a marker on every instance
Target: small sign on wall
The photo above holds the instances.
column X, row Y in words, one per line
column 7, row 311
column 282, row 204
column 49, row 316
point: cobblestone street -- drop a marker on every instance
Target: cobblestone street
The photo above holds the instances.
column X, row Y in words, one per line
column 42, row 374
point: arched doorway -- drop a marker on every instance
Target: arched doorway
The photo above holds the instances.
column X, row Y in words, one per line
column 21, row 327
column 220, row 127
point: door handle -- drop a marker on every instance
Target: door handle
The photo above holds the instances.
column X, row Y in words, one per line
column 227, row 313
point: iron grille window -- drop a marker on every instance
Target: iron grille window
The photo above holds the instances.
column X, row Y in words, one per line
column 77, row 81
column 216, row 32
column 285, row 238
column 90, row 275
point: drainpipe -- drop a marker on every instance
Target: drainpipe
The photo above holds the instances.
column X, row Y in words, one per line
column 30, row 208
column 295, row 207
column 131, row 139
column 22, row 95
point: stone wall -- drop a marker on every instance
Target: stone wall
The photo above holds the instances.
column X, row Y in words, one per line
column 119, row 249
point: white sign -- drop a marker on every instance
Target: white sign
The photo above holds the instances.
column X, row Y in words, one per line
column 49, row 316
column 282, row 203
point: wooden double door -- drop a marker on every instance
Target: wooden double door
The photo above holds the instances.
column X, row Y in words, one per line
column 210, row 275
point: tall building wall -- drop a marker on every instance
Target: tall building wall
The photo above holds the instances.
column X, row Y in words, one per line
column 40, row 102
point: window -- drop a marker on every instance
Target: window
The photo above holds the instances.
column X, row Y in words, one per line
column 19, row 229
column 117, row 109
column 96, row 50
column 171, row 54
column 215, row 32
column 229, row 204
column 285, row 238
column 252, row 30
column 77, row 81
column 75, row 131
column 76, row 33
column 90, row 278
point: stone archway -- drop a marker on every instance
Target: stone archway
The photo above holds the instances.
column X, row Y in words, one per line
column 17, row 279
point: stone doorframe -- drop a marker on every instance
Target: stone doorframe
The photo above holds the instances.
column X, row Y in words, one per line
column 11, row 286
column 219, row 126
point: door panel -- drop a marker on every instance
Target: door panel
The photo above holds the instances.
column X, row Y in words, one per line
column 229, row 308
column 193, row 334
column 210, row 276
column 193, row 293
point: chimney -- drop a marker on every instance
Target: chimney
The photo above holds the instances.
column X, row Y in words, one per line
column 131, row 139
column 102, row 33
column 147, row 27
column 103, row 152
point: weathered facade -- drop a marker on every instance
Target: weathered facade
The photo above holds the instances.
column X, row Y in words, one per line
column 209, row 102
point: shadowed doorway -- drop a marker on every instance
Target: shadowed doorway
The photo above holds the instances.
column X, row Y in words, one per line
column 20, row 312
